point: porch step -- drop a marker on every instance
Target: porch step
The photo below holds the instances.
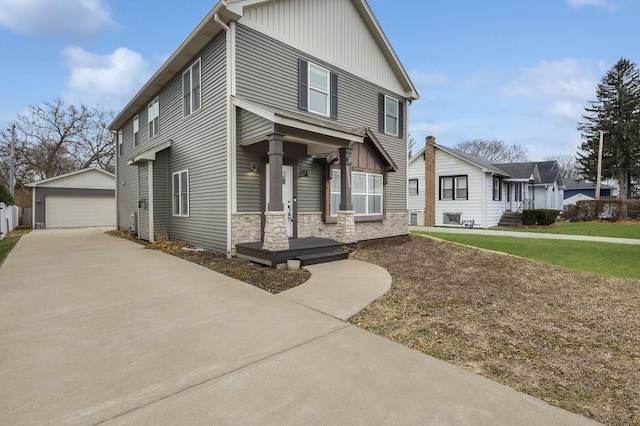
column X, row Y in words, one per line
column 510, row 219
column 324, row 257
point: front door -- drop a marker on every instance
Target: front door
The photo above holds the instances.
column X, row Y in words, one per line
column 287, row 195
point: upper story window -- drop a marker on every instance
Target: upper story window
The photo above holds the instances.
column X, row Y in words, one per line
column 390, row 115
column 317, row 89
column 453, row 188
column 120, row 142
column 413, row 187
column 180, row 184
column 154, row 117
column 136, row 131
column 191, row 93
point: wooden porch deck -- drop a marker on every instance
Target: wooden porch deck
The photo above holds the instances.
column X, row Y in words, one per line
column 309, row 251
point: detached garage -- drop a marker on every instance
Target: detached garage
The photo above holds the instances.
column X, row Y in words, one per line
column 77, row 199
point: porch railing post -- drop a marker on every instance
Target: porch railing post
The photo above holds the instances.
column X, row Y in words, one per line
column 345, row 179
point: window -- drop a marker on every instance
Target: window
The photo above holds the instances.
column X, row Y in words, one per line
column 518, row 191
column 136, row 131
column 497, row 189
column 154, row 118
column 181, row 193
column 413, row 187
column 120, row 143
column 453, row 188
column 366, row 193
column 451, row 218
column 317, row 89
column 390, row 115
column 191, row 88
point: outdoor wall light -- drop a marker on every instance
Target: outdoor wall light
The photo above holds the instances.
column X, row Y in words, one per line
column 304, row 173
column 253, row 168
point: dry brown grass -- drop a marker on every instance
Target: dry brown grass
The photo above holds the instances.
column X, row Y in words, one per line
column 569, row 338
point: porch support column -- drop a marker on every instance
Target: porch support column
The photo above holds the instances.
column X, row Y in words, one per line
column 346, row 226
column 275, row 223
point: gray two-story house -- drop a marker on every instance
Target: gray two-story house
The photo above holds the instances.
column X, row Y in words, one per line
column 274, row 121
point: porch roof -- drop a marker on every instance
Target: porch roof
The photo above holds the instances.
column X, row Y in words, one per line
column 320, row 135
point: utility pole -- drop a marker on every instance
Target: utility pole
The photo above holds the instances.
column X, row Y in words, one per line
column 599, row 166
column 12, row 157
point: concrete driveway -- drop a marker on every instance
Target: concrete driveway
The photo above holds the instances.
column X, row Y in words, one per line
column 98, row 330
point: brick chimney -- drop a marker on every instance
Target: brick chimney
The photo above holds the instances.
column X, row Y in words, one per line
column 430, row 181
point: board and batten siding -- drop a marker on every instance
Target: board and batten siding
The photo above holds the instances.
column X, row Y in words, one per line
column 474, row 206
column 321, row 29
column 267, row 73
column 198, row 144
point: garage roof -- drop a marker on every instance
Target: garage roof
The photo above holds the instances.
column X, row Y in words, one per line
column 90, row 178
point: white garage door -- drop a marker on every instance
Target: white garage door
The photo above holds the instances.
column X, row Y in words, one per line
column 67, row 212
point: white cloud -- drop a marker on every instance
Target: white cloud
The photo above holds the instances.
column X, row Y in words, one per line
column 68, row 19
column 567, row 79
column 108, row 80
column 582, row 3
column 429, row 79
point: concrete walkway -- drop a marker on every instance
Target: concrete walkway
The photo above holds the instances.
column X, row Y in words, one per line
column 98, row 330
column 456, row 230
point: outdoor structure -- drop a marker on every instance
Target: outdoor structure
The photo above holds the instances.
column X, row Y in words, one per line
column 274, row 121
column 582, row 190
column 448, row 187
column 81, row 198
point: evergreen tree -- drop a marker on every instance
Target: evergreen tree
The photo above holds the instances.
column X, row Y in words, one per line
column 616, row 112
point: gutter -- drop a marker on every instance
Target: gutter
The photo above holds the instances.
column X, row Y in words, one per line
column 230, row 134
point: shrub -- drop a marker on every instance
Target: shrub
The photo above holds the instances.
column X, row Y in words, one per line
column 611, row 210
column 540, row 217
column 632, row 209
column 5, row 196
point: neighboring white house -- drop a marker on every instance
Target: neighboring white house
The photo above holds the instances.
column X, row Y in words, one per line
column 448, row 187
column 81, row 198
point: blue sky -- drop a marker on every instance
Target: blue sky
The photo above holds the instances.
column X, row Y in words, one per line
column 518, row 71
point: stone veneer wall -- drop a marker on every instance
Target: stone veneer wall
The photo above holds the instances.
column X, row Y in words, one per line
column 396, row 223
column 245, row 228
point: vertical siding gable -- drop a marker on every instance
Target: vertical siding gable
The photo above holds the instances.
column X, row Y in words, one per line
column 321, row 28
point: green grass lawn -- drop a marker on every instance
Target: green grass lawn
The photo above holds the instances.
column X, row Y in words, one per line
column 604, row 259
column 595, row 229
column 8, row 243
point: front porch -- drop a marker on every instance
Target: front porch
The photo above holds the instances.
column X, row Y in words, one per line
column 309, row 251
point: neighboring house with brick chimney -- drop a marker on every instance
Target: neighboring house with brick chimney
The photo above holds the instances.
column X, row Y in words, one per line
column 274, row 121
column 448, row 187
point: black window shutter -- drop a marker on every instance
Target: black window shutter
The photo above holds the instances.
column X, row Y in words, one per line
column 303, row 93
column 400, row 119
column 334, row 95
column 381, row 112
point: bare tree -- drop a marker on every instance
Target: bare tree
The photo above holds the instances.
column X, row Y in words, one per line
column 568, row 165
column 54, row 138
column 494, row 150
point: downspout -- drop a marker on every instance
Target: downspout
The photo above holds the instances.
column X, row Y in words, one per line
column 230, row 156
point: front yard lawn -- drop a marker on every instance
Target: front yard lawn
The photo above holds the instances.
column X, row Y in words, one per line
column 569, row 338
column 609, row 260
column 622, row 229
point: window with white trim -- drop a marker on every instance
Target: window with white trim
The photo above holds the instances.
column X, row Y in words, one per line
column 191, row 93
column 413, row 187
column 391, row 109
column 319, row 84
column 180, row 184
column 136, row 131
column 120, row 142
column 366, row 193
column 518, row 191
column 154, row 117
column 453, row 188
column 497, row 189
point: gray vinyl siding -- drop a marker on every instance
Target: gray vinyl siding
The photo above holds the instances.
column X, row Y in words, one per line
column 198, row 144
column 267, row 72
column 127, row 177
column 43, row 192
column 161, row 195
column 251, row 126
column 143, row 194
